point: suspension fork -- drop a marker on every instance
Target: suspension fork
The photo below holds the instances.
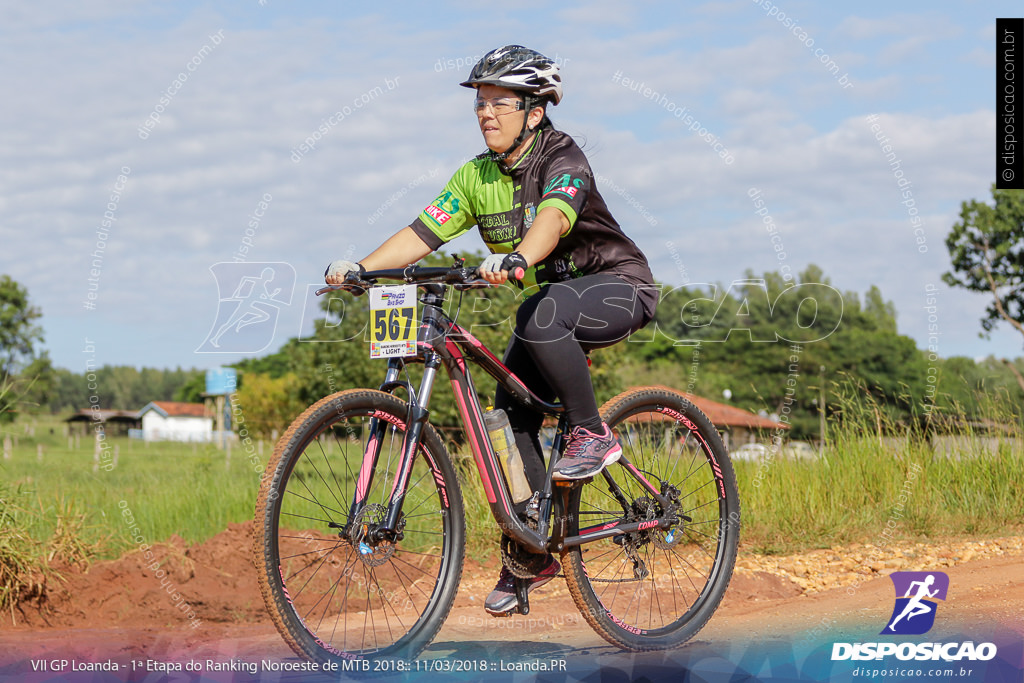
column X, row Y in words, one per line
column 415, row 421
column 371, row 454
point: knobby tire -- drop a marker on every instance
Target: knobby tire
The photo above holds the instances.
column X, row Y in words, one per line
column 333, row 599
column 655, row 589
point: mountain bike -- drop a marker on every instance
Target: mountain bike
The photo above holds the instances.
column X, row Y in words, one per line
column 360, row 527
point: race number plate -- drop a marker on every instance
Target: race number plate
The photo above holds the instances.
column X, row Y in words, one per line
column 393, row 321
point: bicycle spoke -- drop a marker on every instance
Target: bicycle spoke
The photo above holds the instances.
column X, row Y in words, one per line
column 657, row 585
column 367, row 593
column 319, row 552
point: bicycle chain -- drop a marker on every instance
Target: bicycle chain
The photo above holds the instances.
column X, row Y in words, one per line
column 630, row 550
column 643, row 509
column 521, row 563
column 526, row 565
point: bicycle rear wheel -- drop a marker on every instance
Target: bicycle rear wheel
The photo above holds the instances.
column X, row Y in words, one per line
column 332, row 591
column 656, row 588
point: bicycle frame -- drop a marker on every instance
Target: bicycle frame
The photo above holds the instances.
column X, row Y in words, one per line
column 441, row 341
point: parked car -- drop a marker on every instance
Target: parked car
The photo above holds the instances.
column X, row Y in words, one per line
column 751, row 452
column 799, row 450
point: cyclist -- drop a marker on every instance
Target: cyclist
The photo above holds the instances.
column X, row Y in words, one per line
column 532, row 196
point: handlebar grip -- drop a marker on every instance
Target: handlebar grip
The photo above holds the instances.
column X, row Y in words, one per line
column 517, row 273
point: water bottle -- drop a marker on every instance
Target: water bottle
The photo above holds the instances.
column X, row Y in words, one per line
column 504, row 445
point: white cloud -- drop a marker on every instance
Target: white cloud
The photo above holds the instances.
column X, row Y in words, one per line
column 936, row 25
column 895, row 52
column 979, row 56
column 16, row 18
column 226, row 138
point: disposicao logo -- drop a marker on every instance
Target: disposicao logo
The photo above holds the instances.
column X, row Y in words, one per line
column 914, row 614
column 916, row 595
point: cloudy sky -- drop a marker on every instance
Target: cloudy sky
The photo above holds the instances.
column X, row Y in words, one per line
column 141, row 138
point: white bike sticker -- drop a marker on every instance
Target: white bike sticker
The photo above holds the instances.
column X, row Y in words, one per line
column 393, row 321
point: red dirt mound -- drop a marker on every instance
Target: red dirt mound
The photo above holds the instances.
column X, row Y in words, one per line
column 169, row 584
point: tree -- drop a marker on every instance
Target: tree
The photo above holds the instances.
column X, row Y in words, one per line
column 880, row 311
column 336, row 356
column 748, row 333
column 39, row 382
column 192, row 388
column 267, row 404
column 987, row 250
column 20, row 365
column 119, row 387
column 18, row 331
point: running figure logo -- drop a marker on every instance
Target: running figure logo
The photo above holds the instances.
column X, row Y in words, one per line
column 914, row 612
column 250, row 299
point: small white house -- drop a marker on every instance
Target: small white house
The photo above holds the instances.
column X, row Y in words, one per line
column 176, row 421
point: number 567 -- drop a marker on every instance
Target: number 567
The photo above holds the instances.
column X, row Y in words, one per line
column 388, row 324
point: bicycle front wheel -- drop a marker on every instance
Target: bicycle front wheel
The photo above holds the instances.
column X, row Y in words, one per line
column 333, row 591
column 655, row 588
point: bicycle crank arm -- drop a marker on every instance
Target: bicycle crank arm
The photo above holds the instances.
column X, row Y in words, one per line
column 523, row 595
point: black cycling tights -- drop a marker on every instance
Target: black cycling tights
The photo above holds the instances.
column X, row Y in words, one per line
column 554, row 327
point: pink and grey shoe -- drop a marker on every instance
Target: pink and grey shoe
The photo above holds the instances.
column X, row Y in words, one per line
column 587, row 454
column 502, row 600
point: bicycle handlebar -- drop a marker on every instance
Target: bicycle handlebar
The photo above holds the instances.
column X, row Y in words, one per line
column 459, row 276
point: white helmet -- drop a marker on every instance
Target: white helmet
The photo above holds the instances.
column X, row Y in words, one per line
column 518, row 68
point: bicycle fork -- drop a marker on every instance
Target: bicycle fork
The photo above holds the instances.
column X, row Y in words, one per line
column 390, row 527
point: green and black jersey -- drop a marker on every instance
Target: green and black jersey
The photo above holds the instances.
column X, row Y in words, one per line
column 503, row 203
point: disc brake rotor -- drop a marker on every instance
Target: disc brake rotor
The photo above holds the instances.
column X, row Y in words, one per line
column 667, row 539
column 371, row 553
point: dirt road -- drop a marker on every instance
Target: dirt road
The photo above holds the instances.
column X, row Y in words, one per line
column 118, row 612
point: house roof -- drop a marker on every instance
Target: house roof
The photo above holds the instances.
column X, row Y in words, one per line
column 723, row 415
column 175, row 409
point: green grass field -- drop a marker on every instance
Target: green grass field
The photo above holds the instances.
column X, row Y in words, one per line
column 861, row 489
column 867, row 492
column 193, row 491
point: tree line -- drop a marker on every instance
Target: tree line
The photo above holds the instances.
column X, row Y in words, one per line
column 772, row 344
column 766, row 343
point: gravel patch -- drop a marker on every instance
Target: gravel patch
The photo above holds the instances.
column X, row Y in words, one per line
column 841, row 566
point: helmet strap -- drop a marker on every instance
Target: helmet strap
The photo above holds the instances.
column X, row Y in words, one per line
column 529, row 102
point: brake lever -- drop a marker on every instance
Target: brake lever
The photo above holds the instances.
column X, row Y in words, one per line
column 479, row 283
column 466, row 278
column 357, row 288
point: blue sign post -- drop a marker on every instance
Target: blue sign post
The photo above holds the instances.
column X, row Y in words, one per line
column 221, row 382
